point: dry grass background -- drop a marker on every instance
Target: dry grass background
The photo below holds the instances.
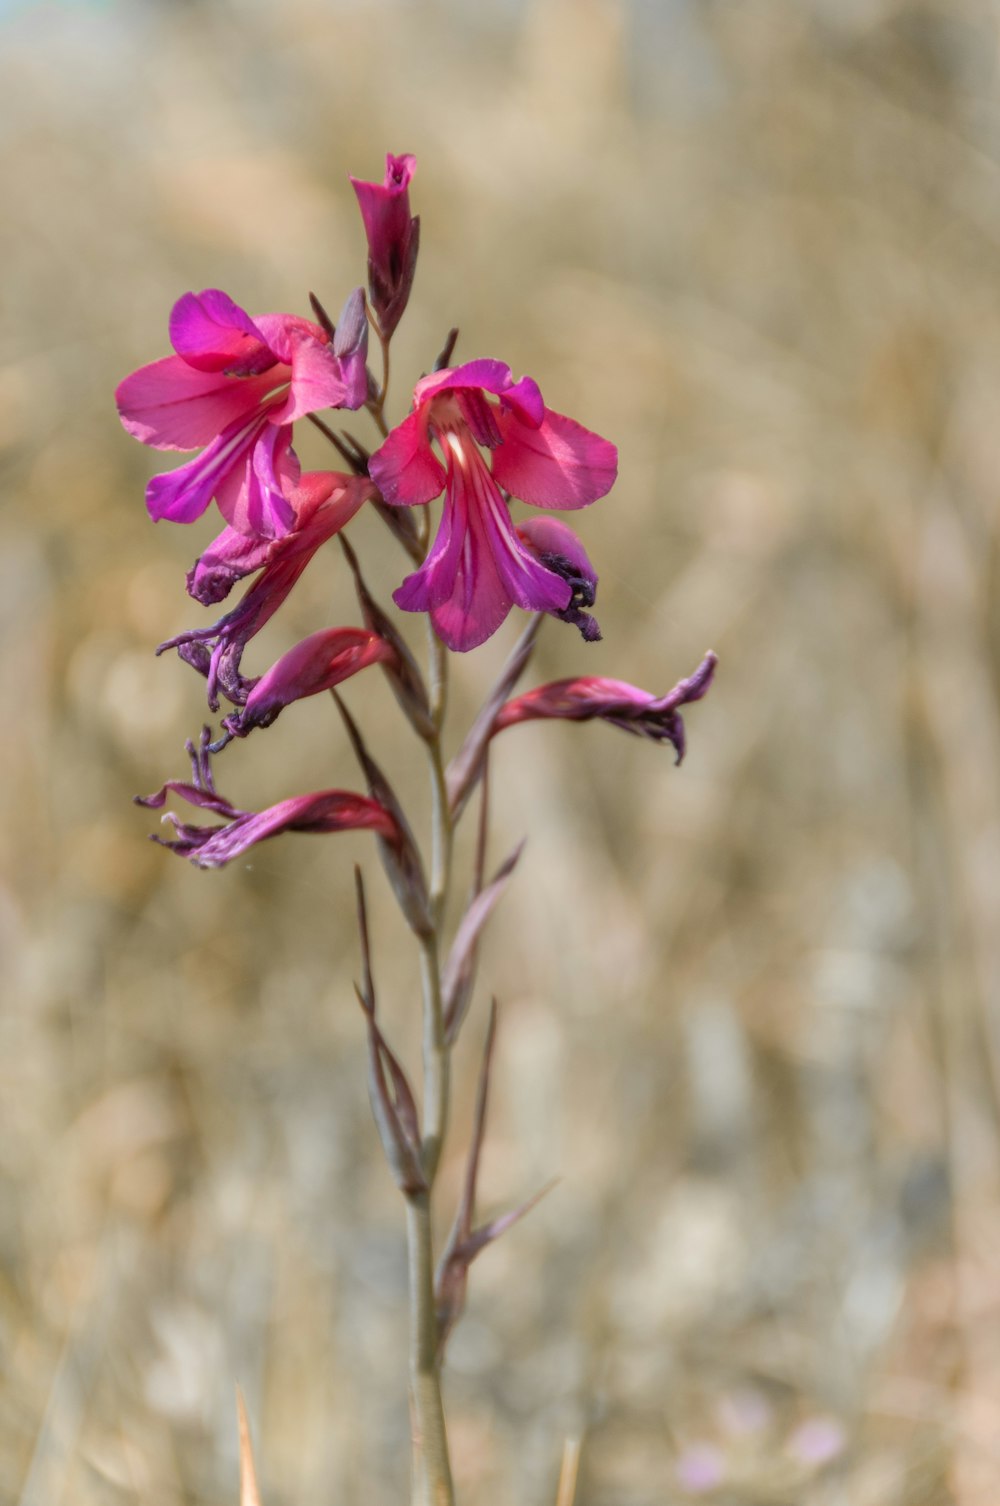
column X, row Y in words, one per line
column 751, row 1008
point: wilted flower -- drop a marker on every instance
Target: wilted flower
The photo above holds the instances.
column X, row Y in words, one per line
column 393, row 239
column 318, row 663
column 613, row 701
column 478, row 567
column 214, row 846
column 236, row 385
column 323, row 502
column 558, row 548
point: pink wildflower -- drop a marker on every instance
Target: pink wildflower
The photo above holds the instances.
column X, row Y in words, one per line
column 214, row 846
column 615, row 702
column 323, row 502
column 393, row 239
column 478, row 567
column 236, row 385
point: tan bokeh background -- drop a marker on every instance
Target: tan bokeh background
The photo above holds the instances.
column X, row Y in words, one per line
column 750, row 1007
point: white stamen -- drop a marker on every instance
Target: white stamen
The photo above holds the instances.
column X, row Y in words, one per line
column 455, row 445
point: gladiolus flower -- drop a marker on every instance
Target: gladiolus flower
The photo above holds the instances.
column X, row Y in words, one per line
column 236, row 385
column 214, row 846
column 478, row 567
column 318, row 663
column 615, row 702
column 324, row 501
column 393, row 239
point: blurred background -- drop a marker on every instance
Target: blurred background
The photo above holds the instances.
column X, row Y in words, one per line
column 750, row 1007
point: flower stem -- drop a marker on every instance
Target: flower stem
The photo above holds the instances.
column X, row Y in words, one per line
column 432, row 1484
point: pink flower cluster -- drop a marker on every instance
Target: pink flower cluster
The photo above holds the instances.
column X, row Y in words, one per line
column 233, row 390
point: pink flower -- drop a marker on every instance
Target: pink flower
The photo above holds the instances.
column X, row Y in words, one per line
column 478, row 567
column 323, row 502
column 393, row 239
column 236, row 385
column 214, row 846
column 615, row 702
column 318, row 663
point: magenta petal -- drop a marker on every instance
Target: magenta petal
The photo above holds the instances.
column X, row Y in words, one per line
column 477, row 568
column 480, row 601
column 550, row 536
column 171, row 406
column 458, row 584
column 182, row 495
column 528, row 582
column 320, row 378
column 559, row 464
column 253, row 498
column 486, row 374
column 230, row 556
column 405, row 468
column 212, row 333
column 384, row 206
column 281, row 331
column 524, row 400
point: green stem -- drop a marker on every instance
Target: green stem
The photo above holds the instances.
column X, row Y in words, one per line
column 432, row 1484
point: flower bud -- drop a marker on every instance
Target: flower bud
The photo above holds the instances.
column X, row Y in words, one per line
column 393, row 238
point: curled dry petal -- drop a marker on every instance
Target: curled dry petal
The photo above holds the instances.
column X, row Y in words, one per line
column 324, row 502
column 557, row 547
column 214, row 846
column 614, row 701
column 318, row 663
